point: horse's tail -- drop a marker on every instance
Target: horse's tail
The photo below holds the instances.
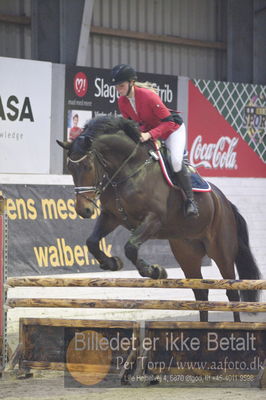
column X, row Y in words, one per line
column 245, row 262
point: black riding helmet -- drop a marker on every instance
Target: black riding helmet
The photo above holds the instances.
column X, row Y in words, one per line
column 122, row 73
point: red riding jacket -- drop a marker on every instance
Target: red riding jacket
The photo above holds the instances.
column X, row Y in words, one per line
column 150, row 113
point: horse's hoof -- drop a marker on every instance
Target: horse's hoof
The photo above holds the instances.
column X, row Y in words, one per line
column 112, row 264
column 117, row 264
column 151, row 271
column 104, row 266
column 158, row 272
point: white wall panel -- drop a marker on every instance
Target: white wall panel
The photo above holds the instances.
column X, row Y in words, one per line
column 248, row 194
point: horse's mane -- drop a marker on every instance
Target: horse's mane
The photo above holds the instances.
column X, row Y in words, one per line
column 103, row 125
column 108, row 125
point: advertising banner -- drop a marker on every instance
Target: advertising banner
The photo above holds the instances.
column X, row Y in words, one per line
column 25, row 113
column 46, row 236
column 227, row 128
column 89, row 94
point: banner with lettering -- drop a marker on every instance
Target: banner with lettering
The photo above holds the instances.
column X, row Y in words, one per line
column 25, row 116
column 227, row 128
column 88, row 93
column 46, row 236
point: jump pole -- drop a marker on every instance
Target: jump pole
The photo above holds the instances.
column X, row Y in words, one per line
column 138, row 304
column 228, row 284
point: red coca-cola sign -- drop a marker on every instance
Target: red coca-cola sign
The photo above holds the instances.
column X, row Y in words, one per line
column 214, row 155
column 215, row 148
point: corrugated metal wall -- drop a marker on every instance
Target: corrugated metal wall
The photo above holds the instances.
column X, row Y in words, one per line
column 15, row 39
column 194, row 19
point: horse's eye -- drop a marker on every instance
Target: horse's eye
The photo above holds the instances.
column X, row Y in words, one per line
column 87, row 166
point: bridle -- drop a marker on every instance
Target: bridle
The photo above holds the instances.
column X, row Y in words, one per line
column 101, row 186
column 105, row 180
column 82, row 189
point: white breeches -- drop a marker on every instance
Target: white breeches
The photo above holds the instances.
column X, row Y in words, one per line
column 176, row 143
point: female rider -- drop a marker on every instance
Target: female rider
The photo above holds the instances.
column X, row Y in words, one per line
column 143, row 105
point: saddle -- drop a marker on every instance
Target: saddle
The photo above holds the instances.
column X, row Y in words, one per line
column 162, row 155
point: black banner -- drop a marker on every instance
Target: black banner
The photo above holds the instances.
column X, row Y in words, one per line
column 46, row 236
column 88, row 94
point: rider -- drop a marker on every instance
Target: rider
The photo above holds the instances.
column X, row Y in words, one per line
column 142, row 104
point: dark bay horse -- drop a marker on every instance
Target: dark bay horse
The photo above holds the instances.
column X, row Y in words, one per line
column 108, row 162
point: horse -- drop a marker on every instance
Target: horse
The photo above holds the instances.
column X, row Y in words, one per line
column 108, row 162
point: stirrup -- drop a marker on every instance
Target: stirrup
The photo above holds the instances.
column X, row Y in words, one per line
column 191, row 209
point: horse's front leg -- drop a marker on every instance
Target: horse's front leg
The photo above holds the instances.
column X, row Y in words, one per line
column 105, row 224
column 148, row 229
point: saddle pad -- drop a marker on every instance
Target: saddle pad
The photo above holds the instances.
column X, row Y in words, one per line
column 198, row 183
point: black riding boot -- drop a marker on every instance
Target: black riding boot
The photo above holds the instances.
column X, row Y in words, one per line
column 184, row 181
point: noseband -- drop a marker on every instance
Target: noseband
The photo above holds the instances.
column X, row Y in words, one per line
column 82, row 189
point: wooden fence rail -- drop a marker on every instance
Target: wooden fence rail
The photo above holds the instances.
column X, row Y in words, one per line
column 138, row 304
column 141, row 283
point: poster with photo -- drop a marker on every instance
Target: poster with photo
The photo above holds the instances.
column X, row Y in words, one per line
column 76, row 120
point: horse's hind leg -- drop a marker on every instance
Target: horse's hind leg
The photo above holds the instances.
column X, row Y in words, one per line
column 224, row 259
column 189, row 256
column 229, row 273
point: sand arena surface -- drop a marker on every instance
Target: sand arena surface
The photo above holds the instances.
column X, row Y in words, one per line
column 49, row 386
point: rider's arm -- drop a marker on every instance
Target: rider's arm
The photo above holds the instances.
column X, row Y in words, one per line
column 166, row 124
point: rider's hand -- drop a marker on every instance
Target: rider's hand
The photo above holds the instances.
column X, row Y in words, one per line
column 144, row 136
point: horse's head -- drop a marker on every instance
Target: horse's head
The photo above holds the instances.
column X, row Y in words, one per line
column 104, row 143
column 80, row 163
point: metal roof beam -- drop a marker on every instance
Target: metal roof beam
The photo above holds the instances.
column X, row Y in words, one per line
column 125, row 34
column 83, row 46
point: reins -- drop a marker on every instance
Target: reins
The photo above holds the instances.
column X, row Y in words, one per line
column 111, row 180
column 100, row 188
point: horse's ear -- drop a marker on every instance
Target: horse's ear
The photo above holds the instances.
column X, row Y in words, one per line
column 65, row 145
column 87, row 142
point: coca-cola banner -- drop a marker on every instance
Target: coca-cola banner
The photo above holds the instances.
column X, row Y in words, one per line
column 227, row 126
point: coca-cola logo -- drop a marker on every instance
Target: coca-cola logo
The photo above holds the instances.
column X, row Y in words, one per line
column 214, row 155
